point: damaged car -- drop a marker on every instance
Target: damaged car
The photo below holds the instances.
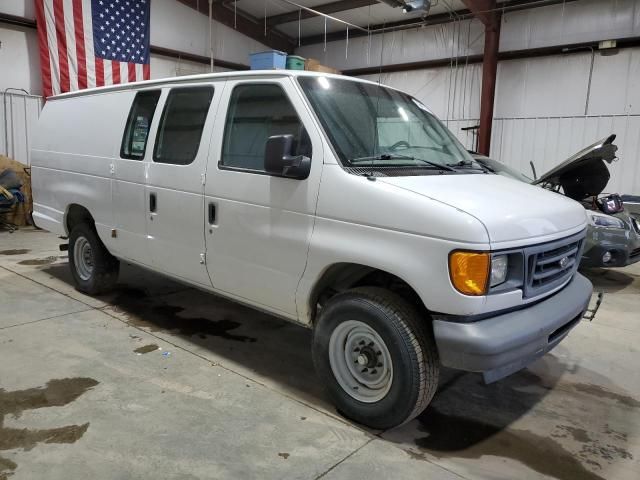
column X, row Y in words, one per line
column 613, row 236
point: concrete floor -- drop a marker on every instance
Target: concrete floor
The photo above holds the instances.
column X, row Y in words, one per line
column 225, row 392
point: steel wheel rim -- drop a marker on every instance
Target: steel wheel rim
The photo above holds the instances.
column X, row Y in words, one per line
column 83, row 258
column 360, row 361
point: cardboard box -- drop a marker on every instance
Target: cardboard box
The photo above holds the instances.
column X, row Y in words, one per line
column 314, row 65
column 21, row 215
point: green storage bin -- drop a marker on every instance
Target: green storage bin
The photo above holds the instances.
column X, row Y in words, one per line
column 295, row 62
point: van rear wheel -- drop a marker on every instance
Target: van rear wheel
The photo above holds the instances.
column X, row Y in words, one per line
column 93, row 268
column 377, row 357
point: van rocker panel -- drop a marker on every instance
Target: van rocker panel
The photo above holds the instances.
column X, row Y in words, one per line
column 504, row 344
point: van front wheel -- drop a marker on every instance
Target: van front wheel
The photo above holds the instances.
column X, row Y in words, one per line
column 377, row 357
column 93, row 268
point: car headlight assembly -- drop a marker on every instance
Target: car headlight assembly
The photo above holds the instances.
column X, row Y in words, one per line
column 499, row 269
column 607, row 221
column 475, row 273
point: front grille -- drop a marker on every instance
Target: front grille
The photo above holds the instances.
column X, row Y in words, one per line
column 635, row 253
column 551, row 264
column 636, row 224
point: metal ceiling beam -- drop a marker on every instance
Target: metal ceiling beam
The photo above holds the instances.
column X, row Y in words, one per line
column 564, row 49
column 436, row 19
column 327, row 8
column 483, row 10
column 243, row 23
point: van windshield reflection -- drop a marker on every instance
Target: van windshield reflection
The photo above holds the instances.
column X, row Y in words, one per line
column 377, row 126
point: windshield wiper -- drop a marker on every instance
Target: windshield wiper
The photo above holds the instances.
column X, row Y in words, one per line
column 397, row 156
column 383, row 156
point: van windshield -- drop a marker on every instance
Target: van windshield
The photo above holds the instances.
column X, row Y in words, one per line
column 370, row 125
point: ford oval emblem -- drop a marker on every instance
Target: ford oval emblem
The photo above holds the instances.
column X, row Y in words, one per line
column 564, row 261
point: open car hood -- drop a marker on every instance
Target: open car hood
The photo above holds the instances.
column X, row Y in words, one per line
column 584, row 174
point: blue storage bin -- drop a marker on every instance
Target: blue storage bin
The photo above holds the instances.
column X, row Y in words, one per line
column 268, row 60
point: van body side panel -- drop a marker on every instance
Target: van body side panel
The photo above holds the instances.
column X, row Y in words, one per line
column 352, row 227
column 74, row 147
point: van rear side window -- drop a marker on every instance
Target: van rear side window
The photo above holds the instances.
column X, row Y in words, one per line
column 180, row 130
column 134, row 141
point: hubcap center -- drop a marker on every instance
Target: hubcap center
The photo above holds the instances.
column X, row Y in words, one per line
column 367, row 357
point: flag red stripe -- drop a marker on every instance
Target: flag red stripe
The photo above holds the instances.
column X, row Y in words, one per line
column 61, row 38
column 132, row 71
column 45, row 65
column 146, row 71
column 115, row 69
column 80, row 54
column 99, row 72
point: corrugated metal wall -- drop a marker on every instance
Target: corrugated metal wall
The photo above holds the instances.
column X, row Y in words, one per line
column 549, row 140
column 18, row 116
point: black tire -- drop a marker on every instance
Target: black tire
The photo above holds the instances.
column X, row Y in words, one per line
column 409, row 342
column 105, row 267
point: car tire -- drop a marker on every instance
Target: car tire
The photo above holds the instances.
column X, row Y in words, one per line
column 93, row 268
column 377, row 357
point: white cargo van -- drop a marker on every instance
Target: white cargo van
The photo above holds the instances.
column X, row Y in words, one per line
column 333, row 202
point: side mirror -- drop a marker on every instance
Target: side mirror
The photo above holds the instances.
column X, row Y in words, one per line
column 279, row 161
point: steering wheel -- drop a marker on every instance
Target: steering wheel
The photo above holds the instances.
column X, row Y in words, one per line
column 401, row 143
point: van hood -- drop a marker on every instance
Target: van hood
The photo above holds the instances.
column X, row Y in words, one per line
column 584, row 174
column 510, row 210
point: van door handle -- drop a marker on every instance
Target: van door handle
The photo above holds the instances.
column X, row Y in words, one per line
column 153, row 203
column 212, row 213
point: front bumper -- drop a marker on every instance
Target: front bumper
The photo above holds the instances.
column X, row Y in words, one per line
column 501, row 345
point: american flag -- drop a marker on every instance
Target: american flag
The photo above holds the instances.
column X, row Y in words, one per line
column 92, row 43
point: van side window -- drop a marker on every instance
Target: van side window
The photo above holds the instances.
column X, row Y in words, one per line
column 257, row 112
column 134, row 141
column 181, row 125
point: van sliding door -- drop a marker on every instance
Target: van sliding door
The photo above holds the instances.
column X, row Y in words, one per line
column 175, row 182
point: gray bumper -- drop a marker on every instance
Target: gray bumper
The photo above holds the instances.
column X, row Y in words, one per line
column 502, row 345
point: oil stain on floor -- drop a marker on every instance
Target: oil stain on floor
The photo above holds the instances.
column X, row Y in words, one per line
column 20, row 251
column 152, row 347
column 143, row 313
column 55, row 393
column 450, row 435
column 39, row 261
column 468, row 420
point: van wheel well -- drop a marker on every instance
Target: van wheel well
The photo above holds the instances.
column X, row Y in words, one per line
column 345, row 276
column 77, row 214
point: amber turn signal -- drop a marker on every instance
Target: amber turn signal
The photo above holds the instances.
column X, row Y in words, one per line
column 470, row 272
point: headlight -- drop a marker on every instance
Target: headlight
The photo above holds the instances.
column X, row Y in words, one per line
column 600, row 220
column 499, row 268
column 470, row 272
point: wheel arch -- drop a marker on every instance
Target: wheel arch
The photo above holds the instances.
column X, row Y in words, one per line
column 342, row 276
column 76, row 214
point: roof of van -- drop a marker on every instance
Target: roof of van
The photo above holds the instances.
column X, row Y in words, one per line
column 203, row 78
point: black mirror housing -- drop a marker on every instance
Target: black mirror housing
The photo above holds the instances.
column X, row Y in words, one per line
column 279, row 161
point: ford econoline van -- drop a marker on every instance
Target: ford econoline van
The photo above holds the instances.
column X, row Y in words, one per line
column 334, row 202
